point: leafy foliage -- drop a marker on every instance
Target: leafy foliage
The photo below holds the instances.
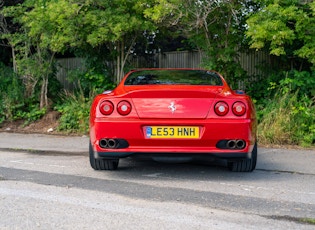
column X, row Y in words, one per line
column 91, row 81
column 286, row 28
column 32, row 59
column 215, row 27
column 74, row 114
column 14, row 106
column 11, row 94
column 61, row 24
column 288, row 119
column 288, row 115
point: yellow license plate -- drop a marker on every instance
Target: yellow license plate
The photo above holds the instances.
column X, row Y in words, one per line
column 172, row 132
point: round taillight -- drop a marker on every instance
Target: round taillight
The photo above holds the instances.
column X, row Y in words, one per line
column 221, row 108
column 124, row 108
column 239, row 108
column 106, row 107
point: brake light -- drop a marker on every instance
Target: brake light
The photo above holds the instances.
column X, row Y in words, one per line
column 124, row 108
column 221, row 108
column 239, row 108
column 106, row 107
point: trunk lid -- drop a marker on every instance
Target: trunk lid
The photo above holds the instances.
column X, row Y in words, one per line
column 173, row 104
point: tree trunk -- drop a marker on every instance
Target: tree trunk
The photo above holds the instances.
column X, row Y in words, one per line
column 118, row 67
column 45, row 80
column 14, row 60
column 43, row 93
column 122, row 57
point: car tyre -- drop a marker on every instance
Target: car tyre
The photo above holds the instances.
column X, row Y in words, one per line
column 102, row 164
column 247, row 165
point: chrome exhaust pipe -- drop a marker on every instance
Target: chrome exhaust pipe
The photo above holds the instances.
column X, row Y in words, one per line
column 111, row 143
column 240, row 144
column 103, row 143
column 231, row 144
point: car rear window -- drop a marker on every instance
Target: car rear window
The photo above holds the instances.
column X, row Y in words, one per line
column 174, row 77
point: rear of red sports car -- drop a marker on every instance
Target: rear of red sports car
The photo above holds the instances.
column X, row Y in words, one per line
column 175, row 113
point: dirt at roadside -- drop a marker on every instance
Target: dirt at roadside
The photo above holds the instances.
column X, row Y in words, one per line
column 47, row 125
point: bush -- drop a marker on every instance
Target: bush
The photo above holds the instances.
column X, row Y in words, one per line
column 13, row 104
column 91, row 81
column 74, row 114
column 288, row 120
column 288, row 117
column 34, row 114
column 11, row 94
column 75, row 108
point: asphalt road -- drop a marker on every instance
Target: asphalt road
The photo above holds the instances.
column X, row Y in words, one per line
column 46, row 183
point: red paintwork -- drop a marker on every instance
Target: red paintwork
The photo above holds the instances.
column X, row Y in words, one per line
column 194, row 107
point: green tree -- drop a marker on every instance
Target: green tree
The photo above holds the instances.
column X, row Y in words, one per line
column 286, row 28
column 47, row 27
column 214, row 27
column 32, row 60
column 62, row 24
column 7, row 27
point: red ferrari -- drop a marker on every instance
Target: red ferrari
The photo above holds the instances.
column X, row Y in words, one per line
column 181, row 114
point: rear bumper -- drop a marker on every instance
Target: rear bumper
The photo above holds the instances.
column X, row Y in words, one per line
column 228, row 155
column 213, row 131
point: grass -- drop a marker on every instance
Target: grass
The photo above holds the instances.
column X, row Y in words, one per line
column 308, row 220
column 287, row 120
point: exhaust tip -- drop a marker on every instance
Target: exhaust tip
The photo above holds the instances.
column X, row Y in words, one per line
column 231, row 144
column 240, row 144
column 103, row 143
column 111, row 143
